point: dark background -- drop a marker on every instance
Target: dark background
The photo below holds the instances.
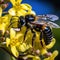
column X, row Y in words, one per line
column 42, row 7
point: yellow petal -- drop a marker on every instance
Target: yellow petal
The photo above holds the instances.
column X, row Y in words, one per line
column 12, row 12
column 0, row 11
column 2, row 27
column 28, row 46
column 14, row 51
column 13, row 2
column 26, row 6
column 7, row 42
column 51, row 44
column 12, row 33
column 5, row 19
column 21, row 13
column 43, row 51
column 52, row 57
column 54, row 54
column 36, row 58
column 19, row 35
column 30, row 56
column 22, row 47
column 18, row 1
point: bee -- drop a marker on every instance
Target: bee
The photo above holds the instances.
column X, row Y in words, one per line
column 25, row 21
column 40, row 23
column 43, row 25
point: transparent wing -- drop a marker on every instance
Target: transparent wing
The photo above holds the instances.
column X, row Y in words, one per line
column 53, row 25
column 49, row 17
column 52, row 17
column 43, row 19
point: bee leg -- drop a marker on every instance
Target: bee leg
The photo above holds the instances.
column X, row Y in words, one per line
column 25, row 33
column 41, row 36
column 34, row 35
column 19, row 26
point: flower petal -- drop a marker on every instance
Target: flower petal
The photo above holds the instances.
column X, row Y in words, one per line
column 7, row 41
column 21, row 13
column 13, row 2
column 36, row 58
column 22, row 47
column 52, row 57
column 5, row 19
column 12, row 33
column 12, row 12
column 49, row 46
column 19, row 35
column 26, row 6
column 18, row 1
column 0, row 11
column 14, row 51
column 2, row 27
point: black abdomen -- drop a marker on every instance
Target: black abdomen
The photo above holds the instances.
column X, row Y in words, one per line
column 47, row 34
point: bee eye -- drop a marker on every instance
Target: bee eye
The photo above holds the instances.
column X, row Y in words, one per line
column 29, row 18
column 21, row 18
column 21, row 21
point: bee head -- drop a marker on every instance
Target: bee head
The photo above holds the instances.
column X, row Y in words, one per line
column 29, row 18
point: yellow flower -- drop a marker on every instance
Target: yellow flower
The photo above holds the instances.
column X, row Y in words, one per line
column 3, row 28
column 3, row 21
column 33, row 57
column 49, row 46
column 13, row 41
column 36, row 58
column 52, row 57
column 23, row 47
column 19, row 9
column 0, row 11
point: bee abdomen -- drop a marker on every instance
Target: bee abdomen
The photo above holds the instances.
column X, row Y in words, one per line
column 47, row 34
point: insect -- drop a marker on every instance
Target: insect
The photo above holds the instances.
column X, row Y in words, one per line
column 45, row 32
column 26, row 21
column 43, row 26
column 39, row 24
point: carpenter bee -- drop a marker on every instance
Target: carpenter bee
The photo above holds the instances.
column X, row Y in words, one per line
column 26, row 21
column 43, row 25
column 40, row 23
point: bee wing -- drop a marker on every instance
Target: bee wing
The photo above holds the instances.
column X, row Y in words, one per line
column 48, row 17
column 52, row 17
column 53, row 25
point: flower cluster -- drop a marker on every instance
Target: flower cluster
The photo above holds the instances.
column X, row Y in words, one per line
column 12, row 41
